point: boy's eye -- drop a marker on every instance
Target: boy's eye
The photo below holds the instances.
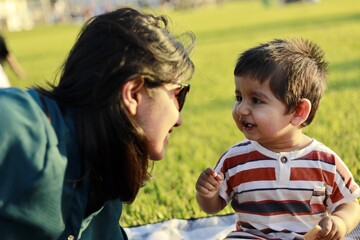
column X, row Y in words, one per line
column 238, row 98
column 257, row 101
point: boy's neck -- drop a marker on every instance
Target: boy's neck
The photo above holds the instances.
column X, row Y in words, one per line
column 290, row 145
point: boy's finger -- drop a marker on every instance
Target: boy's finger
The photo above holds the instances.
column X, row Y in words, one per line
column 202, row 190
column 313, row 233
column 209, row 171
column 219, row 176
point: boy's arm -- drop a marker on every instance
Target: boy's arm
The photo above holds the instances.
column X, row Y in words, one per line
column 211, row 205
column 349, row 213
column 342, row 221
column 207, row 187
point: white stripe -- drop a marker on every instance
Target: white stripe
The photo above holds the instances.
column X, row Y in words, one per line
column 279, row 222
column 272, row 184
column 275, row 195
column 303, row 163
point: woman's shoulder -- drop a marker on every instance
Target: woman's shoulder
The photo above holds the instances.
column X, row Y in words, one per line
column 26, row 134
column 17, row 99
column 19, row 113
column 29, row 160
column 31, row 168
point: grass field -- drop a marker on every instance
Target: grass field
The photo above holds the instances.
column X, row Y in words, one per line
column 222, row 33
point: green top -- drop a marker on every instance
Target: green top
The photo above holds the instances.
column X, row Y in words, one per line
column 40, row 195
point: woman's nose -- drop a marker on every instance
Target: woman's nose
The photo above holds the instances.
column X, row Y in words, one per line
column 179, row 121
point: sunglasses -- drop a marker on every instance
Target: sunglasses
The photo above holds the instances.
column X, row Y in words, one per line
column 181, row 96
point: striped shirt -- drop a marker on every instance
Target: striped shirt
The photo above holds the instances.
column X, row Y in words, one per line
column 283, row 195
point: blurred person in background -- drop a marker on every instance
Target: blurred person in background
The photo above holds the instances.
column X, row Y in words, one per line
column 73, row 152
column 7, row 57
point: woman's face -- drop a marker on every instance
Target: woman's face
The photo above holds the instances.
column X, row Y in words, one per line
column 157, row 116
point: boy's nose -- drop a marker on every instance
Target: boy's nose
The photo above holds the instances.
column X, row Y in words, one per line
column 242, row 109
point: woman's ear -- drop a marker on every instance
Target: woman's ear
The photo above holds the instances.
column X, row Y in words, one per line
column 131, row 94
column 302, row 112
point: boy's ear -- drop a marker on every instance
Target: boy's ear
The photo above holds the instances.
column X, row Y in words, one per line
column 131, row 94
column 302, row 112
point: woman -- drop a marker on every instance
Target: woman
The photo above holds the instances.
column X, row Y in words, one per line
column 73, row 152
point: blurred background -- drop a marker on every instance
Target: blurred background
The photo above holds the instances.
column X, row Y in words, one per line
column 17, row 15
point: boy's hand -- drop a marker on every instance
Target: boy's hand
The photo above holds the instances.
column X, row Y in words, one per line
column 332, row 228
column 313, row 233
column 208, row 183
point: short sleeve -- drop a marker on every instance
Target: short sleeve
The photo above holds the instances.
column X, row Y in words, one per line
column 225, row 190
column 31, row 170
column 342, row 188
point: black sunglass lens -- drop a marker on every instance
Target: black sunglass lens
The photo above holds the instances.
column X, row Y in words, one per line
column 182, row 96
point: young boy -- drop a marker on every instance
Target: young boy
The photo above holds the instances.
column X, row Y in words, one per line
column 280, row 182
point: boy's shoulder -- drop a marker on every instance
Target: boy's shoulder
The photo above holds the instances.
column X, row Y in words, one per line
column 318, row 146
column 242, row 148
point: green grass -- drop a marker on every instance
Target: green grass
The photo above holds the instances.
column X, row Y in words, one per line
column 222, row 34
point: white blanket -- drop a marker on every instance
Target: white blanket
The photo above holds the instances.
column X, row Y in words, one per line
column 209, row 228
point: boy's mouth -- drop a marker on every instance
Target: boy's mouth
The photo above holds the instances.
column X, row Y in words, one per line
column 247, row 124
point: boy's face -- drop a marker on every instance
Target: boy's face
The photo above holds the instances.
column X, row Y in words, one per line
column 259, row 114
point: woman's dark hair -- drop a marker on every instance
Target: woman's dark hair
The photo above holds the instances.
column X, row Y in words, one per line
column 110, row 49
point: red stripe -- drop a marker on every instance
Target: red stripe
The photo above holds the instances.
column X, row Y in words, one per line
column 329, row 178
column 312, row 174
column 251, row 175
column 269, row 214
column 243, row 158
column 337, row 195
column 344, row 174
column 319, row 155
column 317, row 208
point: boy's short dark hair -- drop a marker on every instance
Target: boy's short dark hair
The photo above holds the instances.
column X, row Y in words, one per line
column 295, row 69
